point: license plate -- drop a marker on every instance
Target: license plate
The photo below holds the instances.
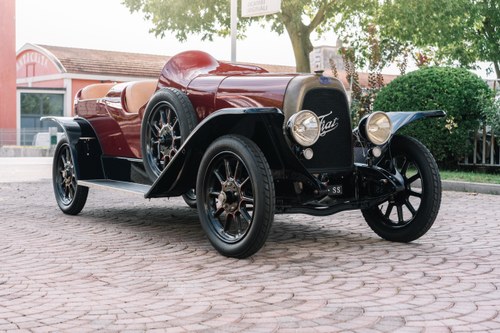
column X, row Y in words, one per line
column 335, row 190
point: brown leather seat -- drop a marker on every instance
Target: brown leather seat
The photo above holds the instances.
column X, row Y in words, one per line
column 95, row 91
column 138, row 93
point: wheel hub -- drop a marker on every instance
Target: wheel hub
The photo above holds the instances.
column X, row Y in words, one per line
column 67, row 173
column 168, row 149
column 229, row 197
column 165, row 130
column 401, row 197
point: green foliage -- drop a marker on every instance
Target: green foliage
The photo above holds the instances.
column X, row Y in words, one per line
column 491, row 115
column 299, row 18
column 459, row 30
column 206, row 17
column 359, row 31
column 462, row 94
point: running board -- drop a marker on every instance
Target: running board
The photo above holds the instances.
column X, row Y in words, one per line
column 116, row 185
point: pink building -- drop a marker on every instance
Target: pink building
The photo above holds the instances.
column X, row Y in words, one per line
column 48, row 78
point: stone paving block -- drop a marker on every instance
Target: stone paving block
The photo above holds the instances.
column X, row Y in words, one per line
column 128, row 264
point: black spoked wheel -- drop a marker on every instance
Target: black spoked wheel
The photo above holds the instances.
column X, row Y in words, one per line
column 409, row 214
column 190, row 198
column 70, row 196
column 235, row 196
column 168, row 120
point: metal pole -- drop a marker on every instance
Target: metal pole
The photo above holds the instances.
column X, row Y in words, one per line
column 476, row 132
column 483, row 159
column 234, row 21
column 492, row 148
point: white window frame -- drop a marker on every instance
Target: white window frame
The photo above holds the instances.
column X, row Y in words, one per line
column 24, row 90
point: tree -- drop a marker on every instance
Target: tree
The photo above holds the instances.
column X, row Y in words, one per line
column 466, row 31
column 300, row 18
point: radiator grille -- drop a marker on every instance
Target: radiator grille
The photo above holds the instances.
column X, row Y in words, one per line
column 333, row 150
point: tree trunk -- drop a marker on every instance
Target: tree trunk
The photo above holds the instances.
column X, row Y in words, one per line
column 496, row 64
column 300, row 34
column 302, row 46
column 301, row 43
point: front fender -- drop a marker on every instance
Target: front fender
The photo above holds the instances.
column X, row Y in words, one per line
column 262, row 125
column 401, row 119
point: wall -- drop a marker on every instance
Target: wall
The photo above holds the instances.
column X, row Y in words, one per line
column 7, row 65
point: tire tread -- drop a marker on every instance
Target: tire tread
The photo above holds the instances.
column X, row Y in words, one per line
column 81, row 194
column 264, row 173
column 416, row 228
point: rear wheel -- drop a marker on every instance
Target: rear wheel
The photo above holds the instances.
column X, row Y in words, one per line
column 70, row 196
column 409, row 214
column 190, row 198
column 235, row 196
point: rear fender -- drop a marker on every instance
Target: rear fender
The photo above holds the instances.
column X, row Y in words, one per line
column 84, row 145
column 264, row 126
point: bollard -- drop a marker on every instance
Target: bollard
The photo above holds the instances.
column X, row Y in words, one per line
column 53, row 137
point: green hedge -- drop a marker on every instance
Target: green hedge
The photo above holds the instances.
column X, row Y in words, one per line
column 462, row 94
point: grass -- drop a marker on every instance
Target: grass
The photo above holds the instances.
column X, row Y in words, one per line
column 470, row 176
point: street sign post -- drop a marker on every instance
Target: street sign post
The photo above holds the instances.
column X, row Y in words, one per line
column 250, row 8
column 234, row 29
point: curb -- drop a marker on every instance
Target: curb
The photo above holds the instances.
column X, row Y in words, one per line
column 449, row 185
column 26, row 151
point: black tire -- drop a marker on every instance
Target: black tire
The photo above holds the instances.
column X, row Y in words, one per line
column 70, row 196
column 235, row 196
column 190, row 198
column 415, row 208
column 167, row 122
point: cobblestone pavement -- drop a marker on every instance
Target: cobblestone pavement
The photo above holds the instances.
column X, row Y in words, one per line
column 129, row 264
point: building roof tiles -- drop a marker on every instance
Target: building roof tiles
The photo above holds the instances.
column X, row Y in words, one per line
column 89, row 61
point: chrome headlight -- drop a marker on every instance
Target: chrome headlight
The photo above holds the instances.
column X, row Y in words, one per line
column 304, row 127
column 378, row 128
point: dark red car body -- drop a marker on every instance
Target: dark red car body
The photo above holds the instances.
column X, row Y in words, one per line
column 242, row 116
column 210, row 85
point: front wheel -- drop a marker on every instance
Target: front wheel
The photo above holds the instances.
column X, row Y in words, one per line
column 409, row 214
column 235, row 196
column 70, row 196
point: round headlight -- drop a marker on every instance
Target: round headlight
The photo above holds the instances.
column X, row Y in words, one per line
column 378, row 128
column 304, row 127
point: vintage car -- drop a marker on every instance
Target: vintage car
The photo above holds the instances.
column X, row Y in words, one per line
column 241, row 145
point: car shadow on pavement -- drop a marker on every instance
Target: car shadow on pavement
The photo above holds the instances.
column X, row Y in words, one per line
column 292, row 237
column 169, row 221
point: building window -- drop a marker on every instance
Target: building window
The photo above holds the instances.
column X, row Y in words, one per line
column 34, row 106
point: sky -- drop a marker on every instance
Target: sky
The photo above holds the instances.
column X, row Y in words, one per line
column 108, row 25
